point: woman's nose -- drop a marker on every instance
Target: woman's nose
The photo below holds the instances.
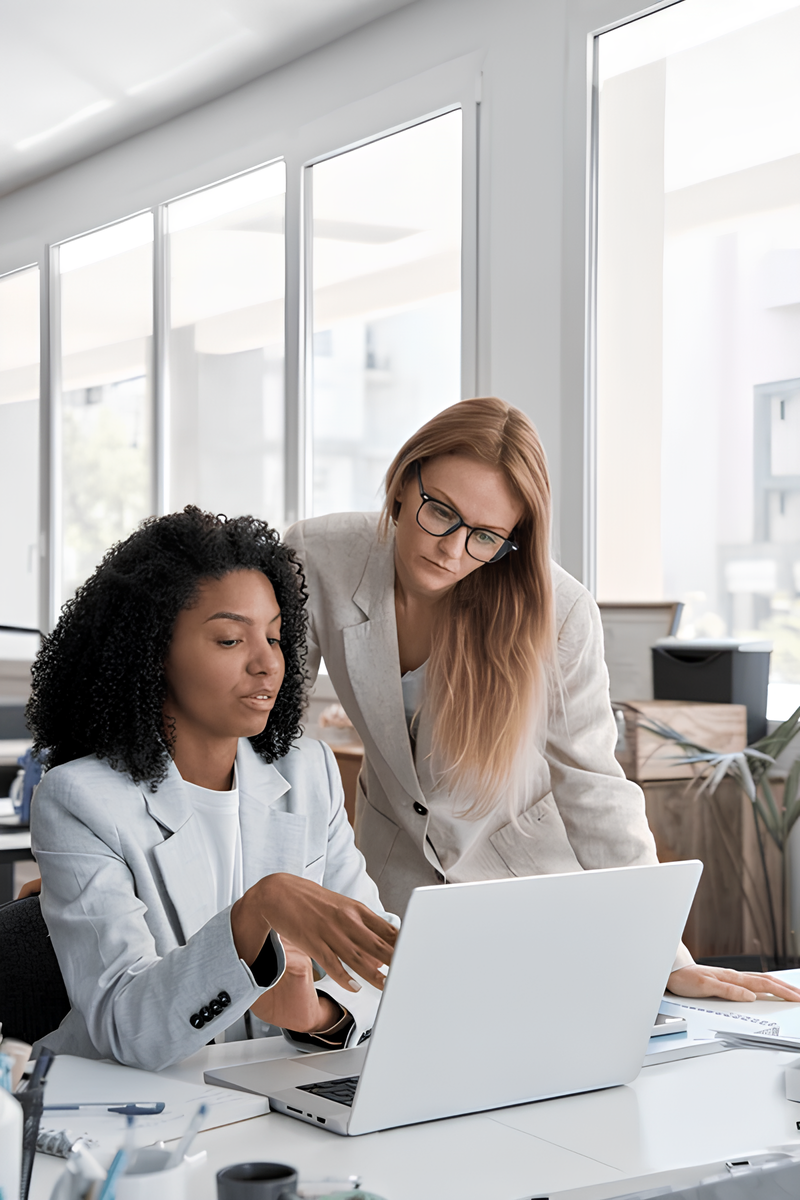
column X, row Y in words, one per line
column 454, row 543
column 266, row 660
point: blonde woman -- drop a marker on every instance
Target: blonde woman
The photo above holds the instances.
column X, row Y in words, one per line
column 472, row 667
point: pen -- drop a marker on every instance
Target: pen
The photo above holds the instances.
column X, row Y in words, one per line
column 126, row 1108
column 109, row 1188
column 183, row 1145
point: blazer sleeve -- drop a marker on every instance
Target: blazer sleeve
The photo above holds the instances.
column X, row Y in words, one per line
column 296, row 541
column 603, row 812
column 135, row 1003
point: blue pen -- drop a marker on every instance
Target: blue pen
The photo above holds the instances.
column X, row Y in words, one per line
column 126, row 1108
column 109, row 1188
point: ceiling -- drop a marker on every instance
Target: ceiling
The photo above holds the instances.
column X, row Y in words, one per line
column 79, row 75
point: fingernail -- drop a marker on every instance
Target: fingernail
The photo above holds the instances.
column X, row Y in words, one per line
column 354, row 985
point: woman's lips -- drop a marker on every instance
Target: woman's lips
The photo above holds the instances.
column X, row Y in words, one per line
column 439, row 566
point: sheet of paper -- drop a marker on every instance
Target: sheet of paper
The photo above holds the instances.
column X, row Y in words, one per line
column 76, row 1080
column 705, row 1019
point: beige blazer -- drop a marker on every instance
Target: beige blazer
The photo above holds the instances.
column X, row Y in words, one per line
column 580, row 812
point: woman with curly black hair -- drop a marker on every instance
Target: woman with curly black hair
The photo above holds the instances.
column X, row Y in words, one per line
column 181, row 827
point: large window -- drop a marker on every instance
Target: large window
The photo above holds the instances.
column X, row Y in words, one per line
column 698, row 322
column 105, row 418
column 387, row 304
column 261, row 345
column 19, row 436
column 227, row 270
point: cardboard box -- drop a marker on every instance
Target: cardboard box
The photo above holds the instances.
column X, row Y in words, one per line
column 645, row 755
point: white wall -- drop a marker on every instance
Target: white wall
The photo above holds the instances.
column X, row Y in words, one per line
column 532, row 187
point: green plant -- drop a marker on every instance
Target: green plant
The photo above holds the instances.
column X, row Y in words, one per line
column 749, row 768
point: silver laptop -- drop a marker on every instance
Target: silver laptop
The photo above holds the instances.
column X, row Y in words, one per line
column 500, row 993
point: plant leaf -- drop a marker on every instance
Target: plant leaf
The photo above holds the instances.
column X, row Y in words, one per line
column 773, row 820
column 779, row 739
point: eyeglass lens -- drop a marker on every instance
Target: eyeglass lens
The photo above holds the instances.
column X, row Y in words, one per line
column 439, row 519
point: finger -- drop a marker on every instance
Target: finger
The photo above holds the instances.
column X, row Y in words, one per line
column 774, row 987
column 379, row 925
column 358, row 959
column 368, row 942
column 364, row 965
column 332, row 967
column 729, row 991
column 367, row 969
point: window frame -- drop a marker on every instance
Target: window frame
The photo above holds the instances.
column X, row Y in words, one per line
column 44, row 486
column 445, row 88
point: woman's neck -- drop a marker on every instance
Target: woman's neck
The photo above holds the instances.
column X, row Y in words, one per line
column 207, row 762
column 415, row 615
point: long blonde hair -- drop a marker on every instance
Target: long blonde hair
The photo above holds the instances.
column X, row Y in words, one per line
column 493, row 637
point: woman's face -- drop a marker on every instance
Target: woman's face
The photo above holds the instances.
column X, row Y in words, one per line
column 225, row 666
column 480, row 495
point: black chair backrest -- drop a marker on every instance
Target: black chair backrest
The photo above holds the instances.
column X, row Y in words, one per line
column 33, row 999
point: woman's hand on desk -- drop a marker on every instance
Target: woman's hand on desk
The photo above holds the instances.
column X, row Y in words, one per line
column 697, row 981
column 322, row 924
column 294, row 1003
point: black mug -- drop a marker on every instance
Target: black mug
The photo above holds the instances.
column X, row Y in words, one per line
column 256, row 1181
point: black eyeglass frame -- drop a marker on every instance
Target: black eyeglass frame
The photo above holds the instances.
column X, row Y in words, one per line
column 507, row 546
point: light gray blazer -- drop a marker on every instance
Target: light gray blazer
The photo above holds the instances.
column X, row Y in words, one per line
column 135, row 930
column 579, row 811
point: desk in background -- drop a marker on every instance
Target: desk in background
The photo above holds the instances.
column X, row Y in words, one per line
column 675, row 1115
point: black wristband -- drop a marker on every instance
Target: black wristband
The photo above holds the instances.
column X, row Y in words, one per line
column 334, row 1037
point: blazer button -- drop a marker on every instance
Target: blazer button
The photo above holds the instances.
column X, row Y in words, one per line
column 420, row 808
column 206, row 1014
column 224, row 999
column 215, row 1006
column 196, row 1021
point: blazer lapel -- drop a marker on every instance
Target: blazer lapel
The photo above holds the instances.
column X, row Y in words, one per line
column 373, row 665
column 273, row 839
column 181, row 858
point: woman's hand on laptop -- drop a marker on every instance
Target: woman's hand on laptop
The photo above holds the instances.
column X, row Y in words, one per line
column 294, row 1003
column 322, row 924
column 697, row 981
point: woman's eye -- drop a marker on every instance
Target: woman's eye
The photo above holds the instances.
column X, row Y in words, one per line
column 229, row 641
column 443, row 513
column 485, row 538
column 274, row 641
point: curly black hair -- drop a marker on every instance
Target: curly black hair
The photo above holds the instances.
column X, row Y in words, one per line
column 98, row 681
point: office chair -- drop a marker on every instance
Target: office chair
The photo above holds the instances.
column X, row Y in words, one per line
column 33, row 999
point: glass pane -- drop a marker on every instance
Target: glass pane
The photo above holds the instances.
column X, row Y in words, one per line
column 387, row 304
column 105, row 414
column 19, row 437
column 699, row 322
column 227, row 270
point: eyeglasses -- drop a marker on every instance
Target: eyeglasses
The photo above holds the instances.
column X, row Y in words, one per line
column 440, row 519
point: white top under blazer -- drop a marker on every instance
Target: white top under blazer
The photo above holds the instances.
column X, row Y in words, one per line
column 574, row 809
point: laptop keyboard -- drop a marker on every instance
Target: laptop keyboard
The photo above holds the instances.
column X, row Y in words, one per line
column 340, row 1090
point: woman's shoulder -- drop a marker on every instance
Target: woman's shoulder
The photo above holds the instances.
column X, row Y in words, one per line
column 83, row 776
column 328, row 536
column 86, row 791
column 572, row 600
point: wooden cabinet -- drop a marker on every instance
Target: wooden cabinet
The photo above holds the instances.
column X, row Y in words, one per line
column 729, row 915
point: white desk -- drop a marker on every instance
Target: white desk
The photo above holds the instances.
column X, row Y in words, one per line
column 674, row 1115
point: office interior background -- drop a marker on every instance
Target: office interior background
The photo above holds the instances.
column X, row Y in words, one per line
column 241, row 260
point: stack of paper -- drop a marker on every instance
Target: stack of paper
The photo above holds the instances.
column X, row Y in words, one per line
column 80, row 1080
